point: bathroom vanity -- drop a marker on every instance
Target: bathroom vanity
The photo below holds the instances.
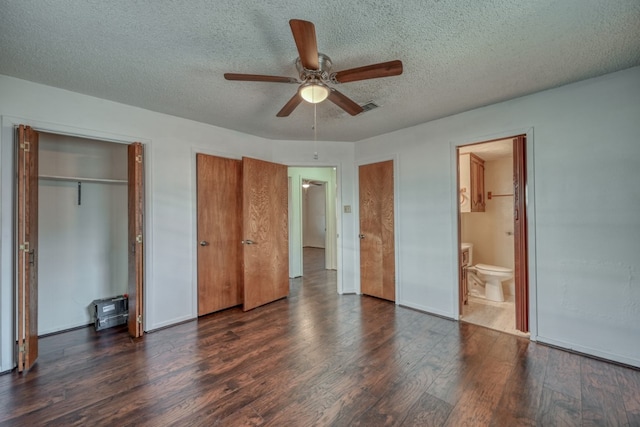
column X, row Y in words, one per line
column 465, row 261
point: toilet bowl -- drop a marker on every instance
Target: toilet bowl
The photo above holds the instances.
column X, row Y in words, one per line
column 493, row 276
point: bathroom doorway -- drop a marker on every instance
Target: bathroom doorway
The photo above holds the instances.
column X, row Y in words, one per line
column 493, row 276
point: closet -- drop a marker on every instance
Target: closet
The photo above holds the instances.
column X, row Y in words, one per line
column 78, row 232
column 242, row 236
column 82, row 221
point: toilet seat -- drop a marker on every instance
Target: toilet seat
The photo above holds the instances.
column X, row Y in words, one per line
column 494, row 270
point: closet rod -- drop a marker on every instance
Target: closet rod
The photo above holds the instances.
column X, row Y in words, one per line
column 78, row 179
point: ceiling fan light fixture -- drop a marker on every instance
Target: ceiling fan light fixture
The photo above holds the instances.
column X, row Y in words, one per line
column 314, row 92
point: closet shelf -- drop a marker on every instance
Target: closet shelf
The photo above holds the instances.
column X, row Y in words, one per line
column 81, row 179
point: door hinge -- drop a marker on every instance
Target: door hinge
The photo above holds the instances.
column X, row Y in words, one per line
column 139, row 158
column 26, row 146
column 23, row 348
column 24, row 247
column 139, row 238
column 140, row 318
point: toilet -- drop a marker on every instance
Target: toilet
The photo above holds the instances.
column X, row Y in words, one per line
column 493, row 276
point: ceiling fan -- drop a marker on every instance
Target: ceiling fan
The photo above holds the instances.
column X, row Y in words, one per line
column 314, row 69
column 306, row 183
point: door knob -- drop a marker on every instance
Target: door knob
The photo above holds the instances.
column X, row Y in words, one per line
column 361, row 236
column 204, row 243
column 248, row 242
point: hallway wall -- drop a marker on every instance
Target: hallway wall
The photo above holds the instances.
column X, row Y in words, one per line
column 314, row 217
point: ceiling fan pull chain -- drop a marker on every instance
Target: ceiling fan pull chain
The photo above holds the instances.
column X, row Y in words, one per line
column 315, row 132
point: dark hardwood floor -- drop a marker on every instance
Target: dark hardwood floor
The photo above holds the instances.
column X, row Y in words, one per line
column 316, row 359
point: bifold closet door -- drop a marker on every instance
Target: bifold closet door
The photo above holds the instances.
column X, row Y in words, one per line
column 136, row 246
column 377, row 241
column 219, row 199
column 265, row 230
column 27, row 242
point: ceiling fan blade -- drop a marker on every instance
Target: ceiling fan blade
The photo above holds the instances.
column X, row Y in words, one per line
column 344, row 102
column 304, row 34
column 259, row 78
column 373, row 71
column 290, row 106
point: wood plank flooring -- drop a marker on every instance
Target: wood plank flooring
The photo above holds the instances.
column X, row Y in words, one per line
column 316, row 359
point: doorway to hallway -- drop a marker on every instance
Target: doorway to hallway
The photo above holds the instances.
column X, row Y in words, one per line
column 313, row 219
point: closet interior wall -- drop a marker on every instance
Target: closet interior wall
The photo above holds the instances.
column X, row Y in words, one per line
column 82, row 220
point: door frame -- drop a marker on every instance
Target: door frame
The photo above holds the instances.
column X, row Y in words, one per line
column 530, row 212
column 330, row 242
column 396, row 219
column 297, row 216
column 7, row 256
column 304, row 212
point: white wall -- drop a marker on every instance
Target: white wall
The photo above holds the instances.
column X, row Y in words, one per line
column 583, row 195
column 314, row 216
column 584, row 209
column 170, row 145
column 82, row 248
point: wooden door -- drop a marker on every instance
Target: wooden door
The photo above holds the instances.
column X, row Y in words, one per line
column 27, row 246
column 265, row 232
column 521, row 273
column 219, row 188
column 476, row 166
column 377, row 246
column 136, row 245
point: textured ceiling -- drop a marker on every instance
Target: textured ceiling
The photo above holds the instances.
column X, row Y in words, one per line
column 170, row 56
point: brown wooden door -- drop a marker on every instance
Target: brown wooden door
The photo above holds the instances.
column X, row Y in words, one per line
column 219, row 187
column 265, row 232
column 136, row 245
column 377, row 247
column 27, row 242
column 521, row 273
column 476, row 168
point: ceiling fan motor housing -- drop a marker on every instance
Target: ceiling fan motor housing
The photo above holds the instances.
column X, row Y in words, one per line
column 322, row 73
